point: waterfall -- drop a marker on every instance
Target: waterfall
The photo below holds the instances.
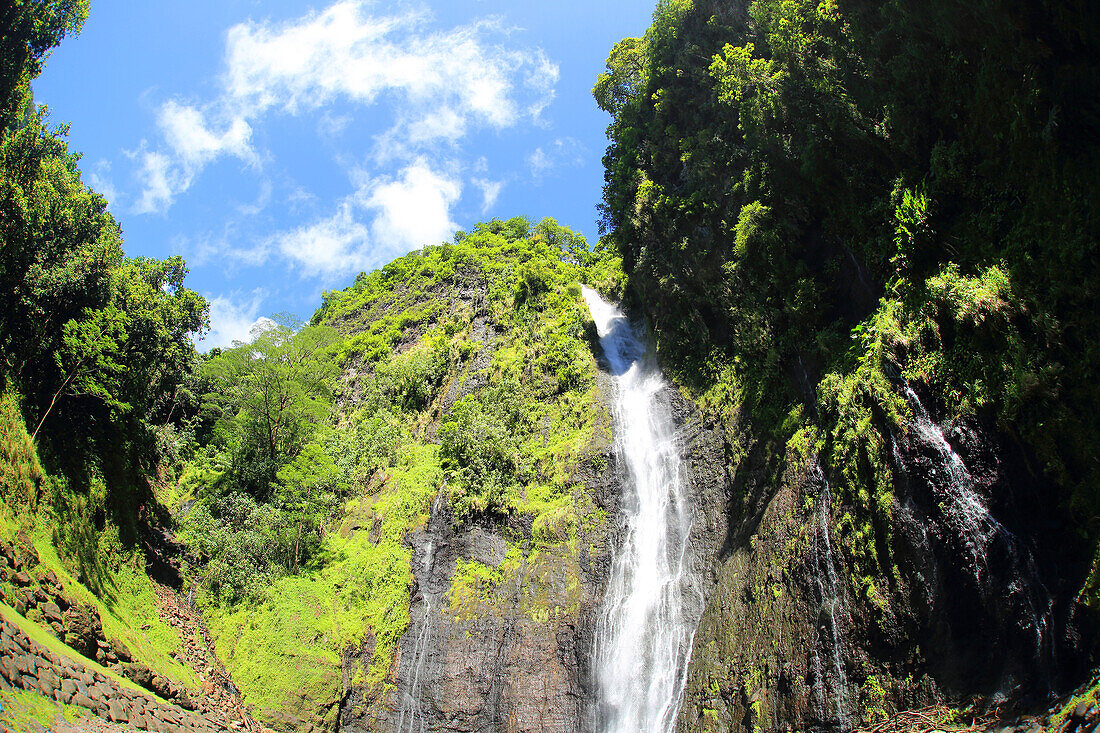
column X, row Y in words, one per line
column 971, row 522
column 645, row 632
column 830, row 685
column 411, row 718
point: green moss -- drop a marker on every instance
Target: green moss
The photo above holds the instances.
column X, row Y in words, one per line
column 20, row 710
column 872, row 701
column 46, row 639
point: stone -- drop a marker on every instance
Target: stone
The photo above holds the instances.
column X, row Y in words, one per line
column 25, row 665
column 83, row 629
column 116, row 712
column 21, row 579
column 8, row 668
column 160, row 686
column 48, row 681
column 1081, row 711
column 140, row 674
column 52, row 612
column 69, row 687
column 81, row 700
column 20, row 607
column 121, row 651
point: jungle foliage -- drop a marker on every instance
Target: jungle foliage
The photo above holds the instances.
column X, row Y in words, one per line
column 817, row 202
column 95, row 344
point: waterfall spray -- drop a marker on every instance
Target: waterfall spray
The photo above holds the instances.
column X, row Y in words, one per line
column 651, row 609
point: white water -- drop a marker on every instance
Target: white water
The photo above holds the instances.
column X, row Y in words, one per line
column 644, row 635
column 830, row 685
column 970, row 519
column 411, row 717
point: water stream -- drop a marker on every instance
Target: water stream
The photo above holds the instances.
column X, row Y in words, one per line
column 650, row 613
column 411, row 718
column 830, row 683
column 1015, row 585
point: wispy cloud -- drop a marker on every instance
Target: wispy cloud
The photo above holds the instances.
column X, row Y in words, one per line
column 438, row 86
column 384, row 217
column 233, row 317
column 564, row 152
column 490, row 192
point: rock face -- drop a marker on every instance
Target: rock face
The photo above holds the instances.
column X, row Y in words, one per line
column 970, row 606
column 502, row 647
column 509, row 648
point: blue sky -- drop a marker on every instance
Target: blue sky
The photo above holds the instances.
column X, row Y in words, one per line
column 282, row 147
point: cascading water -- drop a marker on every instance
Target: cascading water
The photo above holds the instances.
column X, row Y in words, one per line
column 830, row 684
column 650, row 613
column 411, row 717
column 1023, row 595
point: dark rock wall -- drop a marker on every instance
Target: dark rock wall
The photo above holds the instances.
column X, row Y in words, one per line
column 938, row 627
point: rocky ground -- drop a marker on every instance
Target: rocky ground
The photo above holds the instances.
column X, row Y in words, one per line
column 27, row 665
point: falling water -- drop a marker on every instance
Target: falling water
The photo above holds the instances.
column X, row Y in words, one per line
column 970, row 520
column 830, row 685
column 650, row 612
column 411, row 718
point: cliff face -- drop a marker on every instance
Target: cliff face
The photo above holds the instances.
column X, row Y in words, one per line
column 505, row 645
column 981, row 597
column 502, row 636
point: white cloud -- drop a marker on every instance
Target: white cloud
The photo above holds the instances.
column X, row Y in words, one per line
column 195, row 144
column 158, row 175
column 563, row 152
column 233, row 318
column 413, row 211
column 99, row 178
column 437, row 84
column 490, row 192
column 405, row 212
column 330, row 246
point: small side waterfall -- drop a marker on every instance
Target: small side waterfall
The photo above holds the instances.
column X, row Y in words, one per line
column 650, row 613
column 830, row 686
column 411, row 717
column 1014, row 587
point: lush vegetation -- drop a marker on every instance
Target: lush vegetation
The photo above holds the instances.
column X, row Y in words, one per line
column 818, row 200
column 318, row 448
column 95, row 348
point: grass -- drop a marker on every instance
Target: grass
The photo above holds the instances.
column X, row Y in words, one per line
column 43, row 637
column 20, row 710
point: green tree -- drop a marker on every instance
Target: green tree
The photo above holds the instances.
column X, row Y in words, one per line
column 29, row 29
column 90, row 360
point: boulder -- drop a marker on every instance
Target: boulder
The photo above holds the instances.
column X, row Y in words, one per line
column 121, row 651
column 116, row 712
column 52, row 612
column 139, row 673
column 83, row 629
